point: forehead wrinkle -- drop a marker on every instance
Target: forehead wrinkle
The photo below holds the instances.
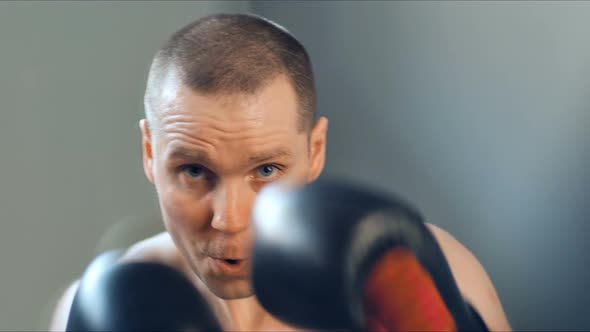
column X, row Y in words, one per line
column 243, row 151
column 213, row 135
column 260, row 140
column 220, row 131
column 182, row 131
column 205, row 118
column 181, row 140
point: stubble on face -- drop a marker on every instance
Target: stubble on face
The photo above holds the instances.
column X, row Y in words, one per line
column 210, row 154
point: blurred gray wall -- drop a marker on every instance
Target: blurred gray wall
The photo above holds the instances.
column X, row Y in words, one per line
column 72, row 76
column 479, row 113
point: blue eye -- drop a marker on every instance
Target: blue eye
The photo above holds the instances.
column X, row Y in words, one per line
column 267, row 171
column 194, row 171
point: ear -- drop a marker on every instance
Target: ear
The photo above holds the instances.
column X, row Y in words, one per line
column 146, row 146
column 317, row 148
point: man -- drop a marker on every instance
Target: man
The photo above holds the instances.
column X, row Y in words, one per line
column 230, row 107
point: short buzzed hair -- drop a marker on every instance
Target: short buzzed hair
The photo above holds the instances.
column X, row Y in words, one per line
column 229, row 53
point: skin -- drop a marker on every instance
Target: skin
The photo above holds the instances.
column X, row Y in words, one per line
column 231, row 147
column 206, row 193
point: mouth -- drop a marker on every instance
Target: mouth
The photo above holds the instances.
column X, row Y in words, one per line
column 229, row 266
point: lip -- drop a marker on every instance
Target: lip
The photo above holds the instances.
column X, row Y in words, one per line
column 221, row 267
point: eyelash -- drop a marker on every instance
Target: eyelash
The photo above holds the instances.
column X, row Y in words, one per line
column 277, row 168
column 207, row 173
column 185, row 168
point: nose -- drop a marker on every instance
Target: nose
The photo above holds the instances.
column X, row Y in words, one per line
column 231, row 207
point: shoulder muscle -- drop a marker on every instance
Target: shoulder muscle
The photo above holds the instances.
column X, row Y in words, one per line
column 472, row 280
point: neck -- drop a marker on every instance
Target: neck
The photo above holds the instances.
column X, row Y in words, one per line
column 245, row 314
column 242, row 314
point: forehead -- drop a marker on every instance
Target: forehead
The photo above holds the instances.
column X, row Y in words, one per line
column 227, row 128
column 273, row 106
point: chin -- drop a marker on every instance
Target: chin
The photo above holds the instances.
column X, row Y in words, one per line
column 230, row 290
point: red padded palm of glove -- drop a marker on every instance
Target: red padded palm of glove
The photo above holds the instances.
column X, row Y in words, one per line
column 400, row 295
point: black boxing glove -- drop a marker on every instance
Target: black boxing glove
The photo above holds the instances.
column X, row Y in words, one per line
column 137, row 297
column 333, row 255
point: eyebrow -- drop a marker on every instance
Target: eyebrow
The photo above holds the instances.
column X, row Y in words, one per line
column 261, row 157
column 183, row 153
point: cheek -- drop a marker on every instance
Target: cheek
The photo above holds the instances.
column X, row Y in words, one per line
column 183, row 212
column 181, row 209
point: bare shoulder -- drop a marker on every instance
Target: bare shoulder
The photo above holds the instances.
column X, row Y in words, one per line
column 472, row 279
column 61, row 312
column 158, row 249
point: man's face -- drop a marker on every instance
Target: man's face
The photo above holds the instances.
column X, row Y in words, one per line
column 210, row 157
